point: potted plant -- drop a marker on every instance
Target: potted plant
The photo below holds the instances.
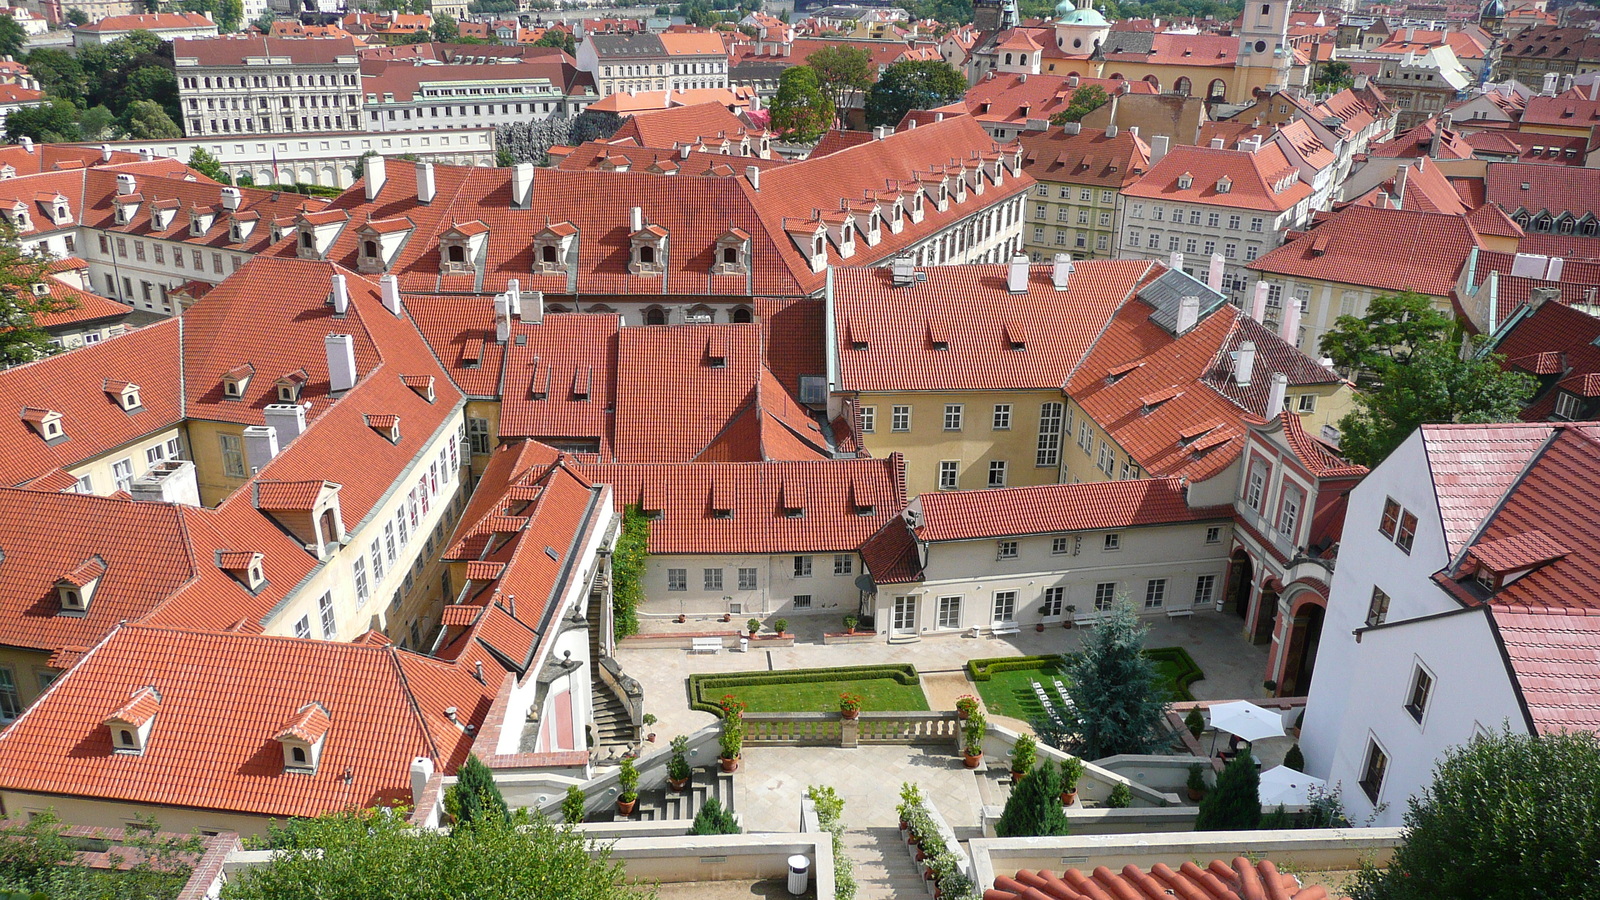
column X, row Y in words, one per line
column 572, row 805
column 1197, row 782
column 753, row 626
column 628, row 779
column 730, row 742
column 727, row 617
column 1195, row 722
column 1270, row 686
column 682, row 618
column 678, row 770
column 850, row 624
column 1071, row 771
column 966, row 705
column 649, row 720
column 972, row 734
column 780, row 626
column 1121, row 797
column 910, row 803
column 1067, row 622
column 849, row 705
column 1043, row 611
column 1023, row 754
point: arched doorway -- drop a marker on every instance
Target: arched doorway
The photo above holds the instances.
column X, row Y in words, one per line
column 1266, row 612
column 1241, row 574
column 1305, row 636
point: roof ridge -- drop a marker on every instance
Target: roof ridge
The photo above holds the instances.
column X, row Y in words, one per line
column 37, row 702
column 411, row 699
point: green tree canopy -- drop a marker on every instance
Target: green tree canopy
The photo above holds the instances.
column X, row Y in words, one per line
column 145, row 119
column 1507, row 817
column 77, row 16
column 845, row 72
column 555, row 37
column 96, row 122
column 360, row 855
column 12, row 37
column 1034, row 807
column 229, row 15
column 913, row 84
column 21, row 339
column 208, row 165
column 1085, row 100
column 37, row 858
column 445, row 29
column 51, row 122
column 1235, row 803
column 1333, row 76
column 1395, row 327
column 801, row 111
column 59, row 73
column 1121, row 703
column 475, row 798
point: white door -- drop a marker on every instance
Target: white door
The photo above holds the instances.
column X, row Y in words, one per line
column 905, row 616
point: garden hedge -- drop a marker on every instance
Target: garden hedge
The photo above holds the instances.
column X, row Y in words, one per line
column 983, row 669
column 1188, row 671
column 707, row 688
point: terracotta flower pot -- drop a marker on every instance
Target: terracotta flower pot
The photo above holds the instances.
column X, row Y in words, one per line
column 677, row 784
column 1039, row 627
column 1016, row 775
column 971, row 762
column 1196, row 796
column 625, row 807
column 920, row 855
column 850, row 713
column 729, row 765
column 682, row 618
column 1069, row 797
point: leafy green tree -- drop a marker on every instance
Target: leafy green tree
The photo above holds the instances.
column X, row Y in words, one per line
column 77, row 16
column 572, row 805
column 1085, row 100
column 95, row 123
column 1395, row 327
column 37, row 858
column 593, row 125
column 1508, row 816
column 913, row 84
column 151, row 83
column 713, row 818
column 1333, row 76
column 12, row 37
column 360, row 855
column 801, row 112
column 263, row 23
column 475, row 798
column 845, row 72
column 51, row 122
column 1121, row 704
column 1235, row 803
column 229, row 15
column 1034, row 807
column 145, row 119
column 627, row 571
column 59, row 73
column 208, row 165
column 555, row 37
column 445, row 29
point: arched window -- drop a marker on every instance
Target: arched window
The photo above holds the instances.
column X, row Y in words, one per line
column 1218, row 89
column 730, row 255
column 548, row 253
column 742, row 315
column 1183, row 86
column 1155, row 81
column 647, row 255
column 1008, row 59
column 299, row 755
column 655, row 315
column 127, row 737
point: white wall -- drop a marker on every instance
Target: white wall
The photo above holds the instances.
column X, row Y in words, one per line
column 773, row 596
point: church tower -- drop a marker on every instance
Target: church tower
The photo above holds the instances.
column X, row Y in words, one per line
column 1264, row 54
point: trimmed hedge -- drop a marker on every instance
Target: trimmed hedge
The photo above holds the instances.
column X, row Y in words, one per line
column 984, row 669
column 1187, row 670
column 706, row 689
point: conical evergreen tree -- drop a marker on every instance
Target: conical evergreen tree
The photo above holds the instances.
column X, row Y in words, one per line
column 1121, row 704
column 1034, row 808
column 1235, row 804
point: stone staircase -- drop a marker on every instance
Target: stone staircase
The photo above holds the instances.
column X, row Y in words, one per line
column 883, row 869
column 663, row 804
column 614, row 732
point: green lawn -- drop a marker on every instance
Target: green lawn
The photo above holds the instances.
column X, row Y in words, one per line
column 812, row 690
column 1010, row 692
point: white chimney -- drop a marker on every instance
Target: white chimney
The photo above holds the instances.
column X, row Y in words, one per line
column 1017, row 274
column 1188, row 314
column 635, row 220
column 125, row 184
column 1158, row 147
column 27, row 144
column 341, row 362
column 1061, row 271
column 105, row 153
column 1214, row 274
column 1111, row 131
column 287, row 420
column 1175, row 261
column 260, row 445
column 1276, row 392
column 1289, row 327
column 1549, row 84
column 1244, row 363
column 425, row 186
column 376, row 176
column 514, row 298
column 421, row 773
column 341, row 295
column 1218, row 143
column 389, row 289
column 502, row 318
column 521, row 185
column 754, row 174
column 535, row 308
column 1133, row 131
column 1258, row 304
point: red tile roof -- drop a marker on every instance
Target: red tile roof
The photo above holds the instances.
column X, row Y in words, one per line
column 683, row 124
column 1002, row 99
column 1516, row 552
column 1429, row 250
column 1553, row 660
column 1209, row 50
column 1534, row 187
column 1253, row 177
column 224, row 698
column 1565, row 111
column 1318, row 458
column 1420, row 141
column 1090, row 506
column 1088, row 157
column 150, row 22
column 234, row 51
column 1243, row 880
column 1473, row 466
column 1554, row 340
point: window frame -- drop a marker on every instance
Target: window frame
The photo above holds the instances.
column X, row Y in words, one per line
column 1155, row 593
column 1105, row 594
column 1420, row 692
column 1006, row 549
column 677, row 580
column 1376, row 753
column 954, row 416
column 1003, row 608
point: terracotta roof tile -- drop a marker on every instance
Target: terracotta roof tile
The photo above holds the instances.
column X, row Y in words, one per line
column 1242, row 880
column 1556, row 665
column 1518, row 551
column 1473, row 466
column 1003, row 512
column 1253, row 177
column 1429, row 250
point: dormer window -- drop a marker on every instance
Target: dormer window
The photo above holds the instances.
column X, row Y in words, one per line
column 307, row 243
column 19, row 217
column 551, row 247
column 721, row 513
column 421, row 385
column 125, row 394
column 290, row 386
column 124, row 213
column 244, row 567
column 46, row 423
column 199, row 222
column 649, row 248
column 732, row 253
column 75, row 589
column 236, row 381
column 303, row 738
column 131, row 725
column 1487, row 579
column 1185, row 181
column 63, row 215
column 459, row 246
column 386, row 425
column 1224, row 185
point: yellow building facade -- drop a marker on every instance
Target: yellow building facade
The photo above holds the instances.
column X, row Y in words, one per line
column 960, row 440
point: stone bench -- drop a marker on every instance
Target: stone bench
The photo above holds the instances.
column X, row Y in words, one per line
column 706, row 645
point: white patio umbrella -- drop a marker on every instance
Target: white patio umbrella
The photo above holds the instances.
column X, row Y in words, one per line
column 1286, row 787
column 1246, row 720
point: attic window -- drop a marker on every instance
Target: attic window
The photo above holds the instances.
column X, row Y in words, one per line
column 865, row 509
column 722, row 514
column 197, row 226
column 124, row 213
column 130, row 726
column 386, row 425
column 793, row 512
column 422, row 385
column 1487, row 579
column 1185, row 181
column 303, row 738
column 236, row 381
column 126, row 394
column 45, row 422
column 288, row 392
column 1224, row 185
column 235, row 233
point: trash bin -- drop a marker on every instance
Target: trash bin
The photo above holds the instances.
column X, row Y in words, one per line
column 799, row 868
column 744, row 645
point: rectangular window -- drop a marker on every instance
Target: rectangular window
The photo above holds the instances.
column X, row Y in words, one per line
column 377, row 559
column 952, row 417
column 1372, row 773
column 302, row 628
column 359, row 570
column 1113, row 542
column 153, row 455
column 1205, row 588
column 400, row 526
column 949, row 612
column 900, row 418
column 1421, row 687
column 843, row 564
column 747, row 579
column 802, row 601
column 1006, row 550
column 1002, row 417
column 330, row 625
column 1407, row 533
column 478, row 436
column 713, row 579
column 1378, row 607
column 1060, row 545
column 949, row 470
column 869, row 419
column 1307, row 403
column 1289, row 511
column 802, row 567
column 1105, row 593
column 1391, row 518
column 1005, row 607
column 1214, row 534
column 1049, row 448
column 1256, row 486
column 1053, row 598
column 388, row 540
column 677, row 579
column 1213, row 219
column 232, row 455
column 10, row 699
column 1256, row 224
column 1155, row 593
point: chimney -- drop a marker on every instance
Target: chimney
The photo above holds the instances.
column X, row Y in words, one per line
column 1175, row 261
column 754, row 174
column 1549, row 88
column 1594, row 89
column 125, row 184
column 514, row 298
column 1072, row 128
column 1399, row 192
column 1360, row 83
column 341, row 362
column 1061, row 270
column 1214, row 274
column 389, row 288
column 287, row 420
column 502, row 318
column 1017, row 274
column 1277, row 392
column 105, row 153
column 1218, row 143
column 145, row 155
column 260, row 446
column 1566, row 83
column 425, row 185
column 535, row 308
column 376, row 176
column 1244, row 363
column 1188, row 314
column 635, row 220
column 421, row 774
column 1411, row 34
column 1133, row 131
column 1258, row 303
column 1158, row 147
column 341, row 296
column 1111, row 131
column 1289, row 326
column 231, row 199
column 521, row 185
column 27, row 144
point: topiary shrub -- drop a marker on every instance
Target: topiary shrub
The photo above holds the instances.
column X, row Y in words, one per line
column 1121, row 797
column 1195, row 722
column 1034, row 807
column 1235, row 803
column 713, row 818
column 1294, row 759
column 572, row 805
column 475, row 797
